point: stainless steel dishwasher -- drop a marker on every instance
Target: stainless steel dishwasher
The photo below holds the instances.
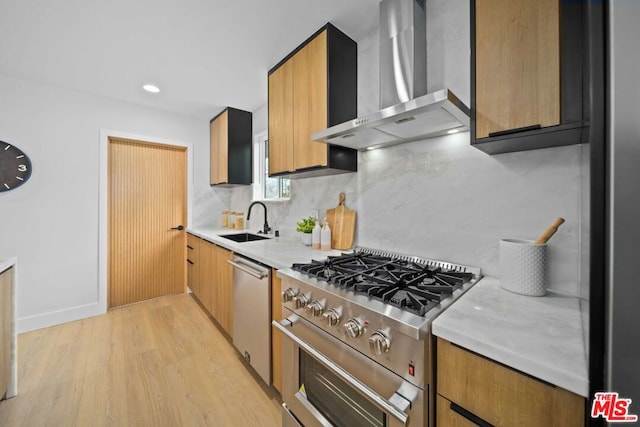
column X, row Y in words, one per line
column 251, row 314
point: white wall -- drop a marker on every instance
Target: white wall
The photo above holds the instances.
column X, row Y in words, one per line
column 51, row 222
column 442, row 198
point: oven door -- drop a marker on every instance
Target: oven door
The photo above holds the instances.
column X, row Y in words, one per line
column 327, row 383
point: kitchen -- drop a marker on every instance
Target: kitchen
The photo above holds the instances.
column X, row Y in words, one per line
column 479, row 199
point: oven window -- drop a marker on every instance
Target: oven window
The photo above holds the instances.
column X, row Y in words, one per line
column 334, row 398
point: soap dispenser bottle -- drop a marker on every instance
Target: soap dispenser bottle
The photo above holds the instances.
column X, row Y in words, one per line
column 315, row 235
column 325, row 236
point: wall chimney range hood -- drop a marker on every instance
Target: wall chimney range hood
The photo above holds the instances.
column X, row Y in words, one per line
column 408, row 112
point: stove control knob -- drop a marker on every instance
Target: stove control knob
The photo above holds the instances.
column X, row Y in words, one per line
column 379, row 342
column 354, row 328
column 315, row 308
column 289, row 294
column 301, row 300
column 332, row 317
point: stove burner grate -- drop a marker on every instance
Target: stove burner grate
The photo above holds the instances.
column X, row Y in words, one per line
column 410, row 283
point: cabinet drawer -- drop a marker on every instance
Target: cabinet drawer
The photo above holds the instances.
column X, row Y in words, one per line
column 193, row 245
column 447, row 417
column 502, row 396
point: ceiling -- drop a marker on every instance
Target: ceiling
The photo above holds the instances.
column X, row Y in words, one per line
column 203, row 54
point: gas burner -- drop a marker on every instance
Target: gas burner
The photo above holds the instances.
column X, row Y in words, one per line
column 410, row 283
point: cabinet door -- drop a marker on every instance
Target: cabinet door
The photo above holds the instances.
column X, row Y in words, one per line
column 276, row 339
column 6, row 320
column 219, row 144
column 224, row 302
column 500, row 395
column 517, row 64
column 310, row 102
column 446, row 417
column 208, row 284
column 193, row 264
column 281, row 119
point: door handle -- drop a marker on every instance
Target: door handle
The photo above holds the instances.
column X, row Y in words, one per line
column 180, row 228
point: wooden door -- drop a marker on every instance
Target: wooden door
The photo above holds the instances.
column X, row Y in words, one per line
column 219, row 148
column 517, row 64
column 281, row 119
column 310, row 103
column 147, row 196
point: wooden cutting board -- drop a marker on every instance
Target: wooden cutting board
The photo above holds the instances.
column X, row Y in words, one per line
column 342, row 222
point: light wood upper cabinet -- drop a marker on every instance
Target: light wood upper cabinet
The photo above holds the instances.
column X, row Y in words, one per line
column 472, row 387
column 231, row 137
column 517, row 64
column 6, row 329
column 313, row 88
column 527, row 74
column 310, row 83
column 281, row 119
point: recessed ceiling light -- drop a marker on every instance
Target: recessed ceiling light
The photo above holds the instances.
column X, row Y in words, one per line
column 373, row 147
column 151, row 88
column 450, row 131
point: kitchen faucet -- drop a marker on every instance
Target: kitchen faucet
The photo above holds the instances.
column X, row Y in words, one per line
column 266, row 229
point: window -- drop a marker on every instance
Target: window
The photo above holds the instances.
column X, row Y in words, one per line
column 265, row 188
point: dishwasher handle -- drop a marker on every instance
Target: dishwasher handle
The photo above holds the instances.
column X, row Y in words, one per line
column 249, row 268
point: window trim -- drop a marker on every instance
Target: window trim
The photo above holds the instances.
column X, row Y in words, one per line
column 259, row 172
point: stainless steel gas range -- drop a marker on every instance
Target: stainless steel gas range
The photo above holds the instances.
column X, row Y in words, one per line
column 357, row 337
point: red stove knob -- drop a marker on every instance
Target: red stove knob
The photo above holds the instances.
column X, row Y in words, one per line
column 379, row 342
column 354, row 328
column 315, row 308
column 301, row 300
column 332, row 317
column 289, row 294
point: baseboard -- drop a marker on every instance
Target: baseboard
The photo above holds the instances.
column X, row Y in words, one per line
column 52, row 318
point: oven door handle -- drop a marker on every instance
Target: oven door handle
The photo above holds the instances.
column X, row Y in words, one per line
column 366, row 391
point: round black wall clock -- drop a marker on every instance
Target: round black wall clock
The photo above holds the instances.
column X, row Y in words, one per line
column 15, row 167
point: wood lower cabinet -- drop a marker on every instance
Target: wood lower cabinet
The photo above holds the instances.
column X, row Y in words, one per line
column 6, row 329
column 276, row 339
column 472, row 389
column 231, row 144
column 313, row 88
column 224, row 289
column 214, row 283
column 193, row 264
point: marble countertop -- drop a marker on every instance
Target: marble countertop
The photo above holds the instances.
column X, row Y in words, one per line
column 6, row 263
column 278, row 253
column 540, row 336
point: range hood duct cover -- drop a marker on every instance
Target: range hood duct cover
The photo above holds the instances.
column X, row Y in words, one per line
column 408, row 112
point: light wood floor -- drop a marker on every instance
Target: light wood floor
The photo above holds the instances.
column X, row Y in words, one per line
column 156, row 363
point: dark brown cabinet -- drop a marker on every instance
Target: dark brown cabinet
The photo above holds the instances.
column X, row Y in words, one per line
column 231, row 144
column 529, row 83
column 313, row 88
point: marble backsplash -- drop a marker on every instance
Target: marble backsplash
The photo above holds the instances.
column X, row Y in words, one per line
column 443, row 199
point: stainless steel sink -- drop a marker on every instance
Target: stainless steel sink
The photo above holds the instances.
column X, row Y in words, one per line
column 243, row 237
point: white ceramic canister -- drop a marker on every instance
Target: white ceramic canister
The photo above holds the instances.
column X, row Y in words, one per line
column 523, row 267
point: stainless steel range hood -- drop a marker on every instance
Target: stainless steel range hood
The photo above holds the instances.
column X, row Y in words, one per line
column 407, row 112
